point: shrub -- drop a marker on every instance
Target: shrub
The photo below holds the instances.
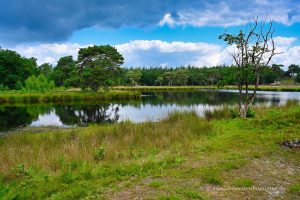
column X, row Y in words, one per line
column 20, row 170
column 3, row 87
column 99, row 154
column 233, row 113
column 39, row 84
column 250, row 113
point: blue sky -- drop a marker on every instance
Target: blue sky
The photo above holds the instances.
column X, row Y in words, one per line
column 148, row 33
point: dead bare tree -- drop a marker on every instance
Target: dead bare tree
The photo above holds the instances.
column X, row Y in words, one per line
column 253, row 49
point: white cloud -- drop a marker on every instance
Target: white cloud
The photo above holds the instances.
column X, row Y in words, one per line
column 231, row 13
column 290, row 55
column 48, row 53
column 284, row 41
column 161, row 53
column 167, row 20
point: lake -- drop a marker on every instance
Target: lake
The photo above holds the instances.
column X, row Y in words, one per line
column 153, row 106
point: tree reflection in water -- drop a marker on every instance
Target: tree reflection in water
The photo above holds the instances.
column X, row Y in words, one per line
column 83, row 115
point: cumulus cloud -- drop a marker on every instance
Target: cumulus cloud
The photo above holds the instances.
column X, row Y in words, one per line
column 232, row 13
column 284, row 41
column 149, row 53
column 48, row 53
column 161, row 53
column 56, row 20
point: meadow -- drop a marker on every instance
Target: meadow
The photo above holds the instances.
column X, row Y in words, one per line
column 183, row 156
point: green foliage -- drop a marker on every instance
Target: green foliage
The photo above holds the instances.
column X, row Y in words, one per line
column 67, row 177
column 65, row 73
column 293, row 70
column 14, row 68
column 46, row 69
column 233, row 113
column 250, row 113
column 100, row 153
column 3, row 87
column 134, row 77
column 20, row 171
column 97, row 64
column 38, row 84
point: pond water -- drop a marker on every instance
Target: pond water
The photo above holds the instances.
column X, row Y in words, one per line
column 152, row 107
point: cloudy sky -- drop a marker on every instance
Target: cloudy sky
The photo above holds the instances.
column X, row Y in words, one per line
column 146, row 32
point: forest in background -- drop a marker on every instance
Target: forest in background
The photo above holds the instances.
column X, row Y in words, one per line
column 20, row 73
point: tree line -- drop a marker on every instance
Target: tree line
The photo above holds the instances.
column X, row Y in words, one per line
column 100, row 66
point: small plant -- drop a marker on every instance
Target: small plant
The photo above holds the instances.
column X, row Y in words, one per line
column 100, row 153
column 20, row 170
column 250, row 113
column 67, row 177
column 233, row 113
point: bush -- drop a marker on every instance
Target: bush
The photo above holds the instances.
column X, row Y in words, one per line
column 3, row 87
column 233, row 114
column 99, row 154
column 39, row 84
column 250, row 113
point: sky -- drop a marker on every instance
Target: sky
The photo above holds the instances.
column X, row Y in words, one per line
column 146, row 32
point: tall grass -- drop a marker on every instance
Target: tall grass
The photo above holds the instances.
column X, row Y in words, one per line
column 64, row 96
column 119, row 143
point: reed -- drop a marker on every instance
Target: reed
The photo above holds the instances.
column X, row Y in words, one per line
column 65, row 96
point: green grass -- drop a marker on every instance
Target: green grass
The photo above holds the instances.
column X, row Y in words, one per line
column 156, row 184
column 243, row 183
column 177, row 158
column 14, row 97
column 295, row 188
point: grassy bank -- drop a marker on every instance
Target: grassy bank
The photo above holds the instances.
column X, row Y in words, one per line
column 290, row 88
column 181, row 157
column 65, row 96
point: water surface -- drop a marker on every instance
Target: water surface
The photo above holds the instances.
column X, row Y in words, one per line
column 153, row 106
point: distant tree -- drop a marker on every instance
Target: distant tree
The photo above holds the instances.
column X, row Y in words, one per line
column 254, row 49
column 169, row 77
column 297, row 79
column 14, row 69
column 293, row 70
column 134, row 77
column 65, row 72
column 180, row 77
column 97, row 64
column 46, row 69
column 278, row 71
column 159, row 81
